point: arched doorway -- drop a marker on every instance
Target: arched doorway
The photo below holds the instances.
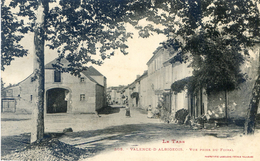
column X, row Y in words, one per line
column 57, row 100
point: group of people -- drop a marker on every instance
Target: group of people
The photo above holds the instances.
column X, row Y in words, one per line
column 153, row 112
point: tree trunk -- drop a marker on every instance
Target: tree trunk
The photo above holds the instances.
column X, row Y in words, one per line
column 226, row 106
column 252, row 110
column 39, row 33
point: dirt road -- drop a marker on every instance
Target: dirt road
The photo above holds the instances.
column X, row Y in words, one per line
column 110, row 132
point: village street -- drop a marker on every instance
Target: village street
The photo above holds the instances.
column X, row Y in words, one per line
column 111, row 131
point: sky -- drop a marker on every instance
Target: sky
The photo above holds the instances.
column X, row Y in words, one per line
column 119, row 69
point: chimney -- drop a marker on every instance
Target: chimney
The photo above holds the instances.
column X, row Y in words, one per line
column 137, row 76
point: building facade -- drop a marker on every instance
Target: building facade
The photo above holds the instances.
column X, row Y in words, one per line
column 64, row 93
column 142, row 87
column 163, row 71
column 115, row 95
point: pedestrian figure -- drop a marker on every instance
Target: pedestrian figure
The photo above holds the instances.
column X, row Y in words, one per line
column 150, row 114
column 127, row 110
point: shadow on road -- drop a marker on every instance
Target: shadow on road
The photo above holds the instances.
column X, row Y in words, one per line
column 131, row 135
column 12, row 143
column 14, row 119
column 91, row 143
column 124, row 135
column 109, row 110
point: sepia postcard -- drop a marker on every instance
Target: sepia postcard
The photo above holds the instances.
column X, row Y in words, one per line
column 121, row 80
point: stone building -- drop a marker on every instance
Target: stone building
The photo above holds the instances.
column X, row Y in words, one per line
column 163, row 71
column 64, row 93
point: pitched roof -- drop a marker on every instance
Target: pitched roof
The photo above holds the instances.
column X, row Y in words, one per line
column 65, row 63
column 92, row 72
column 145, row 74
column 90, row 78
column 155, row 55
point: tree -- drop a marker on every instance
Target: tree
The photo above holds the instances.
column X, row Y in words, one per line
column 2, row 87
column 215, row 35
column 76, row 29
column 10, row 46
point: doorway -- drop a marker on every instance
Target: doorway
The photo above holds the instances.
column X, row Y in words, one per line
column 57, row 100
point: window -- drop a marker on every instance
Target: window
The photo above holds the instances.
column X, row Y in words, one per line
column 57, row 76
column 82, row 79
column 31, row 97
column 82, row 97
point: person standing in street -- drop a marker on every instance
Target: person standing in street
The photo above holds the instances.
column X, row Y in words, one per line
column 127, row 110
column 150, row 114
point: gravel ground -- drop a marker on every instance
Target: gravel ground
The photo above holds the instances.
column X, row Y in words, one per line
column 50, row 149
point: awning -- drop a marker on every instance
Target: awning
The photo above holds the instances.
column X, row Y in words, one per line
column 135, row 95
column 180, row 85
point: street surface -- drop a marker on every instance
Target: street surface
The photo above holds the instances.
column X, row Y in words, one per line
column 109, row 132
column 15, row 124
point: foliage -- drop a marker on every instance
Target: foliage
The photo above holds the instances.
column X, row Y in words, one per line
column 79, row 29
column 2, row 84
column 135, row 95
column 180, row 85
column 180, row 115
column 166, row 116
column 213, row 35
column 2, row 88
column 76, row 29
column 10, row 27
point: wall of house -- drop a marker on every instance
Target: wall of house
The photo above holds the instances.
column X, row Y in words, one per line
column 143, row 95
column 216, row 105
column 76, row 88
column 238, row 100
column 136, row 100
column 127, row 94
column 113, row 96
column 161, row 75
column 116, row 95
column 155, row 82
column 178, row 71
column 100, row 80
column 27, row 100
column 131, row 100
column 168, row 76
column 105, row 92
column 179, row 101
column 24, row 95
column 99, row 97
